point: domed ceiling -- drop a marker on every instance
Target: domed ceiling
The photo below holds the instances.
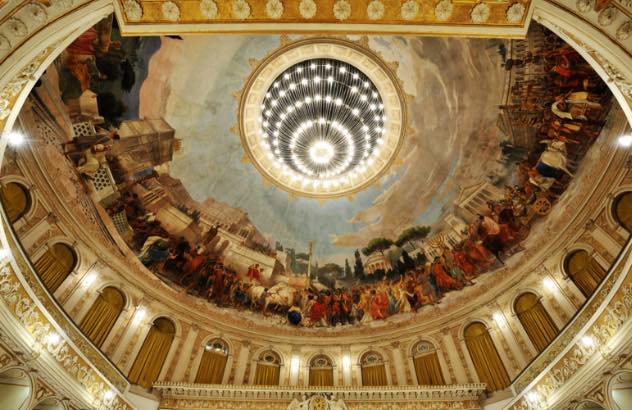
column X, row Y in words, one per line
column 481, row 140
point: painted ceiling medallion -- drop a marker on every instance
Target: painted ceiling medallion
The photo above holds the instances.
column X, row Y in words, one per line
column 480, row 13
column 170, row 11
column 607, row 16
column 584, row 5
column 515, row 13
column 375, row 10
column 624, row 31
column 208, row 9
column 409, row 10
column 241, row 9
column 443, row 10
column 307, row 8
column 274, row 9
column 342, row 9
column 322, row 118
column 133, row 10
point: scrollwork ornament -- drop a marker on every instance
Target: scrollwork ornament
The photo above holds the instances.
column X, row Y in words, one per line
column 170, row 11
column 342, row 9
column 624, row 31
column 607, row 16
column 16, row 27
column 133, row 10
column 208, row 9
column 375, row 10
column 274, row 9
column 5, row 44
column 409, row 10
column 241, row 9
column 307, row 8
column 584, row 5
column 480, row 13
column 36, row 12
column 515, row 12
column 443, row 10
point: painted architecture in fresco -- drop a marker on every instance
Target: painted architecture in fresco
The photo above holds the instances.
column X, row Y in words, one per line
column 170, row 176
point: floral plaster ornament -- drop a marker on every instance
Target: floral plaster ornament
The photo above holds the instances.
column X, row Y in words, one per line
column 241, row 9
column 208, row 9
column 36, row 12
column 16, row 27
column 307, row 8
column 607, row 16
column 480, row 13
column 170, row 11
column 443, row 10
column 274, row 9
column 133, row 10
column 584, row 5
column 409, row 10
column 342, row 9
column 515, row 12
column 375, row 10
column 624, row 31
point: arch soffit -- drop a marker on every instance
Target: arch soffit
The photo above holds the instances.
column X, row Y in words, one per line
column 610, row 202
column 162, row 315
column 33, row 196
column 223, row 338
column 410, row 346
column 257, row 353
column 615, row 378
column 521, row 291
column 118, row 286
column 32, row 383
column 376, row 349
column 316, row 354
column 576, row 247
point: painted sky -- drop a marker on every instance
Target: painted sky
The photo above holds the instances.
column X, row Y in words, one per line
column 456, row 86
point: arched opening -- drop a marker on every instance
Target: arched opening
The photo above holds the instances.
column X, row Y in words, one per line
column 487, row 362
column 589, row 405
column 620, row 391
column 584, row 271
column 100, row 319
column 50, row 403
column 153, row 353
column 55, row 265
column 15, row 389
column 321, row 371
column 427, row 367
column 535, row 320
column 268, row 371
column 373, row 369
column 16, row 200
column 213, row 363
column 622, row 210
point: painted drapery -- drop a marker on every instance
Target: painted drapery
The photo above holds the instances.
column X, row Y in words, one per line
column 16, row 200
column 100, row 319
column 489, row 366
column 428, row 369
column 623, row 210
column 535, row 320
column 584, row 271
column 374, row 375
column 153, row 353
column 211, row 368
column 321, row 377
column 267, row 375
column 55, row 265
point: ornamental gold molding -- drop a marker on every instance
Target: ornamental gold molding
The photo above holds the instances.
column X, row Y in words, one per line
column 196, row 396
column 366, row 16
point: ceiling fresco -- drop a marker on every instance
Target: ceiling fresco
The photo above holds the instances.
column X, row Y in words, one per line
column 496, row 129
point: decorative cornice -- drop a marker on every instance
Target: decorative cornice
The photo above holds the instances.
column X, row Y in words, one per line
column 454, row 392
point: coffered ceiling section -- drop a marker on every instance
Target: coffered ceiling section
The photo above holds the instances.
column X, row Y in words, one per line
column 502, row 18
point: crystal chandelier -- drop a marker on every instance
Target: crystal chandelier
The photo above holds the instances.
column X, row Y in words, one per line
column 322, row 122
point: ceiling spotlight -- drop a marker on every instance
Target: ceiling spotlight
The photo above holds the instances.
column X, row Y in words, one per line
column 625, row 141
column 15, row 138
